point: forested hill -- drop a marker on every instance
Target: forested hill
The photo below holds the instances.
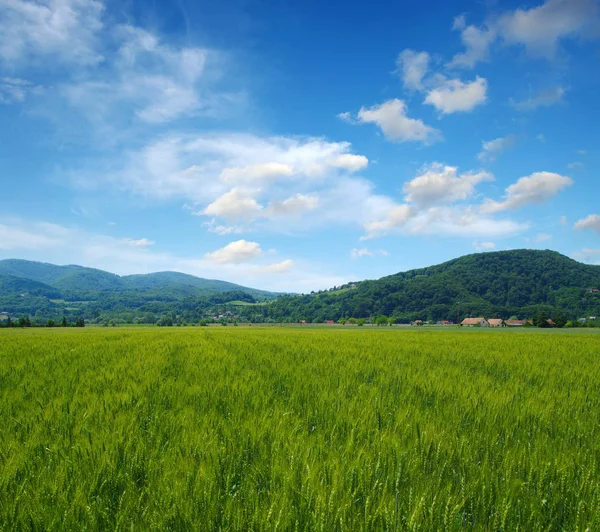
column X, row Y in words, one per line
column 49, row 291
column 497, row 284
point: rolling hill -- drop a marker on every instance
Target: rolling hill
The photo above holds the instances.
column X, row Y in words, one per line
column 503, row 283
column 48, row 291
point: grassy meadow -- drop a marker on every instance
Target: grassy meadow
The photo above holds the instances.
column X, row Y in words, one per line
column 299, row 429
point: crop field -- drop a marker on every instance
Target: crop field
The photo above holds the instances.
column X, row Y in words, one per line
column 299, row 429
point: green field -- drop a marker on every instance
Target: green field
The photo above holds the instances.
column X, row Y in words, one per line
column 299, row 429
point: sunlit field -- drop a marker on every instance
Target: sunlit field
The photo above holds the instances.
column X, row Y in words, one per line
column 299, row 429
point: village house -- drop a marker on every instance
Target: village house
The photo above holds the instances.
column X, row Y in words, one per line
column 330, row 322
column 495, row 322
column 474, row 322
column 417, row 322
column 517, row 323
column 445, row 323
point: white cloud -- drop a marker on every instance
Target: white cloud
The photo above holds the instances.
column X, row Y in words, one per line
column 256, row 173
column 236, row 252
column 142, row 242
column 544, row 98
column 476, row 41
column 190, row 166
column 575, row 165
column 14, row 90
column 589, row 222
column 19, row 238
column 357, row 253
column 454, row 96
column 442, row 184
column 57, row 31
column 277, row 268
column 493, row 148
column 484, row 246
column 293, row 205
column 581, row 152
column 541, row 28
column 391, row 118
column 350, row 162
column 456, row 221
column 413, row 66
column 346, row 117
column 234, row 205
column 537, row 188
column 157, row 82
column 395, row 218
column 562, row 220
column 543, row 237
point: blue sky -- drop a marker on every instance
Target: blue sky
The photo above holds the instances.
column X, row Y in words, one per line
column 297, row 145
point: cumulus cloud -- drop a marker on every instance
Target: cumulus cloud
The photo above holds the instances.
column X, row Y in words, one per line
column 357, row 253
column 350, row 162
column 537, row 188
column 412, row 67
column 484, row 246
column 454, row 95
column 493, row 148
column 234, row 205
column 395, row 218
column 544, row 98
column 589, row 222
column 476, row 42
column 236, row 252
column 277, row 268
column 293, row 205
column 541, row 28
column 256, row 173
column 393, row 121
column 442, row 184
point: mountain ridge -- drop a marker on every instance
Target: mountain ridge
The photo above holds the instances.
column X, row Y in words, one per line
column 518, row 283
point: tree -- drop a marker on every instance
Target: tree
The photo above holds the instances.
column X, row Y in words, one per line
column 352, row 321
column 342, row 321
column 79, row 322
column 63, row 322
column 361, row 322
column 382, row 320
column 391, row 321
column 50, row 323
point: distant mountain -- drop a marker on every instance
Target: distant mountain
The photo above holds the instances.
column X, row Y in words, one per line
column 10, row 285
column 47, row 290
column 63, row 277
column 497, row 284
column 170, row 279
column 79, row 278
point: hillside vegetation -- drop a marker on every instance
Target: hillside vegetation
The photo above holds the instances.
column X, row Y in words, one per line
column 47, row 291
column 499, row 284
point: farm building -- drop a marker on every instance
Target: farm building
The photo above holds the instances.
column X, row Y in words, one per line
column 495, row 322
column 518, row 323
column 474, row 322
column 330, row 322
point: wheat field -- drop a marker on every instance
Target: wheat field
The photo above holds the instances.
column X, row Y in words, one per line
column 291, row 429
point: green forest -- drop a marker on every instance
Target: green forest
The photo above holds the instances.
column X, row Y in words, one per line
column 518, row 284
